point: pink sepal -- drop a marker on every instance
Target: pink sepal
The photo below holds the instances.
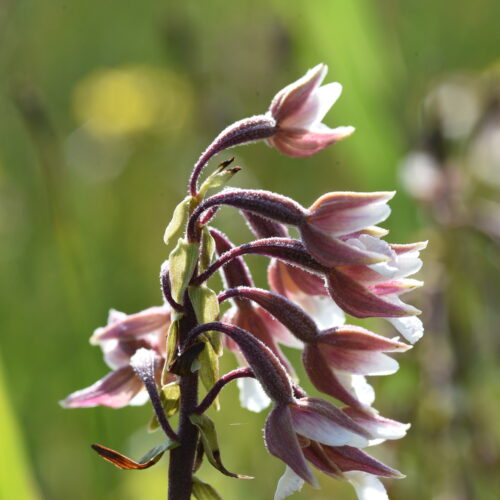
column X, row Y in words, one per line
column 361, row 302
column 343, row 213
column 379, row 427
column 358, row 338
column 115, row 390
column 302, row 143
column 332, row 252
column 134, row 325
column 321, row 421
column 324, row 378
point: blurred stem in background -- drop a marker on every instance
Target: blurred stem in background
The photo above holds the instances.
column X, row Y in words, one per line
column 16, row 480
column 48, row 151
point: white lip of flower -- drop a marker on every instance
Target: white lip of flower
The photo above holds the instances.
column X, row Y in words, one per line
column 288, row 484
column 252, row 396
column 410, row 327
column 367, row 486
column 325, row 312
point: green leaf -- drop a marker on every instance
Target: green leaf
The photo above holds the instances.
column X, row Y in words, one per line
column 175, row 228
column 207, row 248
column 203, row 491
column 209, row 367
column 123, row 462
column 208, row 436
column 172, row 340
column 181, row 263
column 170, row 395
column 206, row 308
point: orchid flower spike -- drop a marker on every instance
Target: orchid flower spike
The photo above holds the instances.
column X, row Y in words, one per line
column 299, row 109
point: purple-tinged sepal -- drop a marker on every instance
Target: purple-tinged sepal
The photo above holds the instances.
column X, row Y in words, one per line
column 116, row 390
column 379, row 427
column 299, row 109
column 336, row 215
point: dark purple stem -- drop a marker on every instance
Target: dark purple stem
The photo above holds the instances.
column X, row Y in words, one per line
column 166, row 290
column 150, row 385
column 267, row 368
column 264, row 203
column 293, row 317
column 182, row 458
column 244, row 131
column 236, row 273
column 285, row 249
column 219, row 385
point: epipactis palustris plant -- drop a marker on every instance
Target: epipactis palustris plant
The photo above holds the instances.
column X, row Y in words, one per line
column 340, row 264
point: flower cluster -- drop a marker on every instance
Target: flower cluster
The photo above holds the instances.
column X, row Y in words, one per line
column 339, row 264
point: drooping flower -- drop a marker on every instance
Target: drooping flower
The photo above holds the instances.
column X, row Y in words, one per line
column 338, row 353
column 299, row 109
column 334, row 223
column 374, row 290
column 119, row 340
column 341, row 462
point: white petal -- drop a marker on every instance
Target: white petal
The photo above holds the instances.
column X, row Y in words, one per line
column 408, row 263
column 325, row 312
column 326, row 97
column 252, row 396
column 410, row 327
column 114, row 356
column 369, row 363
column 315, row 108
column 358, row 218
column 358, row 387
column 140, row 398
column 288, row 483
column 367, row 486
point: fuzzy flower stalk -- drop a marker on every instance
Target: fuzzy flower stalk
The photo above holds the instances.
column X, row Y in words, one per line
column 338, row 264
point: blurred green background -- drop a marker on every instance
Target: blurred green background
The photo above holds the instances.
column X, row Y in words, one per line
column 105, row 106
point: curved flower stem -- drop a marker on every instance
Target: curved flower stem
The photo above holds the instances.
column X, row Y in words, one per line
column 267, row 368
column 290, row 315
column 158, row 408
column 219, row 385
column 241, row 132
column 166, row 290
column 287, row 249
column 264, row 203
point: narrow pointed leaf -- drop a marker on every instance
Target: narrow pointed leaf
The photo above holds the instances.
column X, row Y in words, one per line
column 209, row 368
column 175, row 228
column 123, row 462
column 207, row 248
column 172, row 340
column 206, row 308
column 181, row 263
column 208, row 436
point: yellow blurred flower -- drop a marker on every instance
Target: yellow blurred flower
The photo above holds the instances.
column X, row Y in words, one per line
column 131, row 99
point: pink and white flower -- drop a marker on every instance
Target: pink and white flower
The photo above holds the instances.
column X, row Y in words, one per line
column 119, row 340
column 348, row 350
column 299, row 109
column 333, row 224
